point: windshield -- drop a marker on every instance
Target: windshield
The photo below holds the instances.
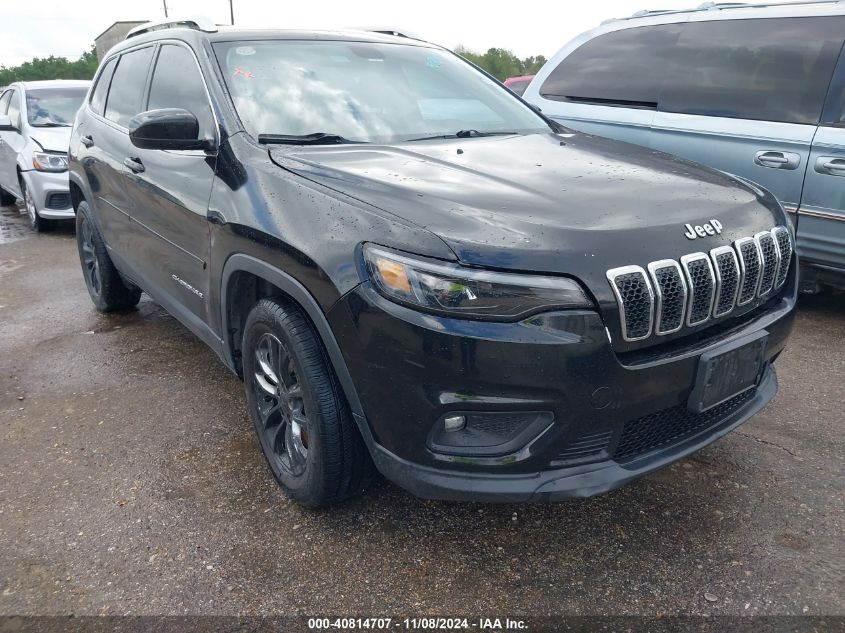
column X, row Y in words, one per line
column 365, row 92
column 53, row 106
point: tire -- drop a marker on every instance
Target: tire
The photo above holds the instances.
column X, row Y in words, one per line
column 104, row 283
column 6, row 198
column 296, row 403
column 36, row 222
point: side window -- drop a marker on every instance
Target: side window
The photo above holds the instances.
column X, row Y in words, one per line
column 98, row 95
column 623, row 68
column 127, row 86
column 14, row 110
column 4, row 101
column 775, row 69
column 177, row 83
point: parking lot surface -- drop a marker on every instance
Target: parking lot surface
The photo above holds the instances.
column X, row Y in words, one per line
column 131, row 483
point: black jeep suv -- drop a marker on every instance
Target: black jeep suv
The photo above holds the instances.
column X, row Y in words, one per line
column 410, row 267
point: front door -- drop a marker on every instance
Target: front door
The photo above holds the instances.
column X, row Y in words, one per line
column 170, row 191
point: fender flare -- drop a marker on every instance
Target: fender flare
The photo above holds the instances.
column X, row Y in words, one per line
column 296, row 291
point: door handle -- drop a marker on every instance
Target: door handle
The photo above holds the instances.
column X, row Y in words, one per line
column 87, row 140
column 777, row 160
column 830, row 165
column 134, row 163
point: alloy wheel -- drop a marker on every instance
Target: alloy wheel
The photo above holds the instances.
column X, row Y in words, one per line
column 281, row 408
column 89, row 258
column 30, row 206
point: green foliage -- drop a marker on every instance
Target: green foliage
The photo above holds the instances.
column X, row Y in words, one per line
column 502, row 63
column 51, row 67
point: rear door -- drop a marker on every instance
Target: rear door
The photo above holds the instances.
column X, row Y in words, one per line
column 745, row 96
column 170, row 191
column 107, row 138
column 821, row 217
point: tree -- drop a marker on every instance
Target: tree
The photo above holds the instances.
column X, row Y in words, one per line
column 51, row 68
column 502, row 63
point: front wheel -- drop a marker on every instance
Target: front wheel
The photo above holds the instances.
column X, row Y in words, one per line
column 36, row 222
column 298, row 409
column 104, row 283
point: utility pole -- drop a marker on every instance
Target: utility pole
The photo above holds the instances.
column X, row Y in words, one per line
column 231, row 13
column 164, row 2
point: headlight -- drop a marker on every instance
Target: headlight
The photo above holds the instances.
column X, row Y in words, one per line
column 467, row 293
column 49, row 162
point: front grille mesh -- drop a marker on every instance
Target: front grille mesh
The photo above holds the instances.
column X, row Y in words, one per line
column 711, row 286
column 633, row 291
column 673, row 425
column 727, row 271
column 751, row 259
column 702, row 285
column 672, row 292
column 770, row 262
column 785, row 247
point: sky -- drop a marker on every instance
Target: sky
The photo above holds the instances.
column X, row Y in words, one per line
column 66, row 28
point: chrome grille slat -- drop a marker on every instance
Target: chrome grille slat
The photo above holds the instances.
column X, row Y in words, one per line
column 703, row 287
column 635, row 298
column 726, row 267
column 670, row 290
column 750, row 266
column 784, row 244
column 770, row 261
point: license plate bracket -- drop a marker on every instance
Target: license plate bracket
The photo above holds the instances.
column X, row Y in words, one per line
column 728, row 371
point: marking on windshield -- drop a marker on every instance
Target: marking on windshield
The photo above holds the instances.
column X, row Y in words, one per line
column 240, row 72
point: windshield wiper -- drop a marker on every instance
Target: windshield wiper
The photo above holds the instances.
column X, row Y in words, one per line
column 318, row 138
column 464, row 134
column 50, row 124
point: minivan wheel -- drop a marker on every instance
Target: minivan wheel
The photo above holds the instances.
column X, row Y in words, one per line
column 298, row 409
column 36, row 222
column 105, row 285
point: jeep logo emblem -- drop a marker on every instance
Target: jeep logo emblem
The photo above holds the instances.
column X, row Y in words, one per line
column 713, row 227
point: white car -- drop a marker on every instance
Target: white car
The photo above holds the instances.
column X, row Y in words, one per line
column 35, row 123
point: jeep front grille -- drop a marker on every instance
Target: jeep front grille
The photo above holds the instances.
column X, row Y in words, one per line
column 704, row 286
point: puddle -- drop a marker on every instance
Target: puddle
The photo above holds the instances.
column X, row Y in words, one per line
column 13, row 225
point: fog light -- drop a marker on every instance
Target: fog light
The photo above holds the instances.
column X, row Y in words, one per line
column 454, row 422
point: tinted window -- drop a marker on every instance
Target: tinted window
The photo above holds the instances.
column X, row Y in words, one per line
column 519, row 86
column 127, row 86
column 98, row 96
column 14, row 111
column 4, row 101
column 177, row 83
column 619, row 68
column 773, row 69
column 49, row 107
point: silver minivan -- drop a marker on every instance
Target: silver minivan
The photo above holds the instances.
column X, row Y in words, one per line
column 754, row 90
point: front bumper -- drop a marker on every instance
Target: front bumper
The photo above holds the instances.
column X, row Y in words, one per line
column 51, row 193
column 614, row 417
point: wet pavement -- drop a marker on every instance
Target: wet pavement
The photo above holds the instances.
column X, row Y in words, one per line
column 131, row 483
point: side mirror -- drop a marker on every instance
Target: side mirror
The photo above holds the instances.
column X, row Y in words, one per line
column 168, row 128
column 6, row 124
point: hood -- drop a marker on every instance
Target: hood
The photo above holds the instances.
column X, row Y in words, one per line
column 543, row 203
column 52, row 139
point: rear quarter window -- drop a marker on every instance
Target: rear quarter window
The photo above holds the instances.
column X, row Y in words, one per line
column 774, row 69
column 98, row 95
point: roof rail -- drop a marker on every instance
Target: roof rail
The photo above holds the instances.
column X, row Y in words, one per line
column 197, row 23
column 720, row 6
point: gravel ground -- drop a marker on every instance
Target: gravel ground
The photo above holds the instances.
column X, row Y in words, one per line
column 131, row 483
